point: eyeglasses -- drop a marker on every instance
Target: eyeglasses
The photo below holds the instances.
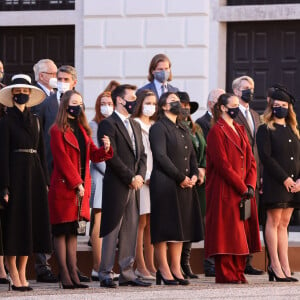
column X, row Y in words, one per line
column 48, row 73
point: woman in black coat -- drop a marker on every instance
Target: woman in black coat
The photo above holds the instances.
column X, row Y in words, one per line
column 23, row 179
column 279, row 151
column 175, row 209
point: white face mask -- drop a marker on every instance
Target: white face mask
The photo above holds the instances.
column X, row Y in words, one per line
column 149, row 110
column 106, row 110
column 63, row 86
column 53, row 82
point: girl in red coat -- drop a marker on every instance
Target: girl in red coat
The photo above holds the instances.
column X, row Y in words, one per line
column 230, row 175
column 72, row 148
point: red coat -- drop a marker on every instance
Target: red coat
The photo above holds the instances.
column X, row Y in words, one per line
column 230, row 168
column 66, row 175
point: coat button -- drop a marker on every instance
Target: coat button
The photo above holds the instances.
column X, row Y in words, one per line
column 292, row 175
column 185, row 158
column 177, row 126
column 242, row 156
column 290, row 140
column 186, row 170
column 292, row 158
column 182, row 135
column 185, row 147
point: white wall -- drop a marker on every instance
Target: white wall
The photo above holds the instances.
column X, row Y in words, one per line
column 121, row 37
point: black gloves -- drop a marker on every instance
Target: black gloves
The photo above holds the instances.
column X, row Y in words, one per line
column 249, row 193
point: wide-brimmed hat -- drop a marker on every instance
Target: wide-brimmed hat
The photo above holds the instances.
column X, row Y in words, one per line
column 185, row 98
column 21, row 81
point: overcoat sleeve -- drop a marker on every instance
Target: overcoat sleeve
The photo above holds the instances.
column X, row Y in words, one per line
column 116, row 164
column 264, row 147
column 142, row 165
column 158, row 143
column 98, row 154
column 62, row 160
column 4, row 155
column 218, row 154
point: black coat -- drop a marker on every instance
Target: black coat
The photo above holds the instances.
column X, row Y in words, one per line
column 26, row 227
column 279, row 152
column 175, row 212
column 120, row 169
column 205, row 123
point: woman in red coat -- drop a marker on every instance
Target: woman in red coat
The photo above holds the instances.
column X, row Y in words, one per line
column 230, row 175
column 72, row 149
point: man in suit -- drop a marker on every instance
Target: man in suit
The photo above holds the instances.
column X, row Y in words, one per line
column 205, row 121
column 159, row 75
column 47, row 112
column 44, row 70
column 243, row 88
column 123, row 178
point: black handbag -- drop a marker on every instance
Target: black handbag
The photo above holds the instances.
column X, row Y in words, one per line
column 245, row 209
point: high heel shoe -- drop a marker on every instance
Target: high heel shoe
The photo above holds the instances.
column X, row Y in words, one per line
column 181, row 281
column 11, row 286
column 292, row 279
column 66, row 286
column 4, row 281
column 273, row 276
column 79, row 285
column 160, row 278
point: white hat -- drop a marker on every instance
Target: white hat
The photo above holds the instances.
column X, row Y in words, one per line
column 36, row 95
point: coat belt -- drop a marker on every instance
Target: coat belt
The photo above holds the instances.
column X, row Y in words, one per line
column 26, row 150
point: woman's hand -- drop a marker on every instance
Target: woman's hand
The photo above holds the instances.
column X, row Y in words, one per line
column 186, row 183
column 6, row 198
column 194, row 179
column 106, row 143
column 80, row 190
column 289, row 183
column 296, row 187
column 201, row 175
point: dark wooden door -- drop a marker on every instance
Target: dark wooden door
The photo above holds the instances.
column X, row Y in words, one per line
column 253, row 2
column 22, row 47
column 269, row 52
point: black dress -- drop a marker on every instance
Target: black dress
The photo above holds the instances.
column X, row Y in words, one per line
column 175, row 212
column 279, row 152
column 71, row 227
column 26, row 225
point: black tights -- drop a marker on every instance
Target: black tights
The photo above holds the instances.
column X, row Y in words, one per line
column 65, row 247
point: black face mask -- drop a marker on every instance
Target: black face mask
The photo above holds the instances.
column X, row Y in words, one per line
column 74, row 110
column 247, row 95
column 185, row 112
column 280, row 112
column 175, row 108
column 21, row 98
column 232, row 112
column 130, row 106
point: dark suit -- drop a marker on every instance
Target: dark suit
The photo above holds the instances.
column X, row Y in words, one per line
column 205, row 123
column 151, row 86
column 47, row 112
column 119, row 203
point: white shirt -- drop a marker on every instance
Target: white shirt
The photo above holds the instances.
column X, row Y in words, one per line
column 47, row 91
column 243, row 110
column 158, row 87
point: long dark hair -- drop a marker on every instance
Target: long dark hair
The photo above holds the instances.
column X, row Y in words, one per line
column 222, row 100
column 162, row 102
column 62, row 115
column 141, row 96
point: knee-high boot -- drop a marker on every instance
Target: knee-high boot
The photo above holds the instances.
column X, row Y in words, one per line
column 185, row 260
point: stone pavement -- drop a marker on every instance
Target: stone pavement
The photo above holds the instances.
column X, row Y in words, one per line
column 203, row 288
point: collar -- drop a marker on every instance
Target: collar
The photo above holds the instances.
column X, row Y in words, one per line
column 209, row 112
column 122, row 117
column 46, row 90
column 159, row 84
column 243, row 109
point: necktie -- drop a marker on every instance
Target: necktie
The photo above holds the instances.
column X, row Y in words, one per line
column 249, row 121
column 131, row 135
column 163, row 89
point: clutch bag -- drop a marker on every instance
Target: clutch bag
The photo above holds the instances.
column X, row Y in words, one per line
column 245, row 209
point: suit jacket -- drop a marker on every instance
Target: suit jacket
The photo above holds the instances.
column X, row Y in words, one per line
column 205, row 123
column 151, row 86
column 120, row 170
column 47, row 112
column 252, row 138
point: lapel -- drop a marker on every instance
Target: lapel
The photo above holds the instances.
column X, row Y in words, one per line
column 230, row 133
column 71, row 139
column 153, row 88
column 120, row 125
column 53, row 104
column 242, row 120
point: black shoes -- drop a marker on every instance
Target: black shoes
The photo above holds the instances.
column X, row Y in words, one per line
column 181, row 281
column 187, row 271
column 210, row 272
column 249, row 270
column 135, row 282
column 83, row 278
column 47, row 277
column 4, row 281
column 160, row 278
column 273, row 276
column 108, row 283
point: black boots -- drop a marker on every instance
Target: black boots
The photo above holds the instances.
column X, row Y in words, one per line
column 185, row 260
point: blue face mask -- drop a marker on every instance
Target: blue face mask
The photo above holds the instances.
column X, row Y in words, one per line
column 280, row 112
column 74, row 110
column 21, row 98
column 161, row 76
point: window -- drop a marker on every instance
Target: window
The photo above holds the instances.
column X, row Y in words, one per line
column 13, row 5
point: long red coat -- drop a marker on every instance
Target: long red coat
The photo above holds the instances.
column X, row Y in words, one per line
column 66, row 175
column 230, row 168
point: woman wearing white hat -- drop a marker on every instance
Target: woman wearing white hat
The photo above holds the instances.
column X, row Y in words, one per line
column 23, row 179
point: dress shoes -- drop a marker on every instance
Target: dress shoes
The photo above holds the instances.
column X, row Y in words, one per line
column 108, row 283
column 83, row 278
column 135, row 282
column 47, row 277
column 210, row 272
column 249, row 270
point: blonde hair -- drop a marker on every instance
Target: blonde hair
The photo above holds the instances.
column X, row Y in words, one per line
column 291, row 120
column 236, row 83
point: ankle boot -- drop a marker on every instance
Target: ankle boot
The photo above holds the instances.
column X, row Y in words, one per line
column 185, row 260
